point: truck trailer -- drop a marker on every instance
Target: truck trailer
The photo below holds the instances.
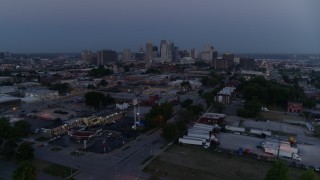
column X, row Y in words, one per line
column 260, row 132
column 283, row 150
column 200, row 135
column 194, row 142
column 235, row 129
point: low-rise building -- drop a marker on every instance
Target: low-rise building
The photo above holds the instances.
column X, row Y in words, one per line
column 224, row 96
column 295, row 107
column 42, row 93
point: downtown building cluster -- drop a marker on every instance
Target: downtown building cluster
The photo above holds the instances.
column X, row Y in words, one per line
column 166, row 52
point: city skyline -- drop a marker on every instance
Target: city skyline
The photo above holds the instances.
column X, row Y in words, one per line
column 230, row 26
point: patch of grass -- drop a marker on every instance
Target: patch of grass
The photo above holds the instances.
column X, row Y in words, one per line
column 41, row 139
column 146, row 160
column 279, row 116
column 77, row 153
column 56, row 149
column 53, row 169
column 126, row 147
column 186, row 162
column 59, row 170
column 152, row 131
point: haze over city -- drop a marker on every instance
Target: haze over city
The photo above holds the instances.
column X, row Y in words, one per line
column 247, row 26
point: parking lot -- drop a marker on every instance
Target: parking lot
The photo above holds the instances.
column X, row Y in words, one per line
column 112, row 137
column 309, row 153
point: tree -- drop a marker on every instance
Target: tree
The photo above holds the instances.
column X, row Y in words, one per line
column 218, row 106
column 309, row 175
column 186, row 103
column 24, row 152
column 278, row 171
column 103, row 83
column 209, row 98
column 21, row 128
column 250, row 110
column 196, row 109
column 5, row 128
column 100, row 71
column 186, row 115
column 61, row 88
column 170, row 132
column 8, row 150
column 200, row 92
column 25, row 171
column 98, row 99
column 158, row 115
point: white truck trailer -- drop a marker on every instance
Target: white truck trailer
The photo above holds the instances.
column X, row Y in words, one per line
column 235, row 129
column 194, row 142
column 198, row 130
column 196, row 138
column 200, row 135
column 260, row 132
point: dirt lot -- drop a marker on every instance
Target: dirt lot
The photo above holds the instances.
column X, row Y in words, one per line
column 186, row 162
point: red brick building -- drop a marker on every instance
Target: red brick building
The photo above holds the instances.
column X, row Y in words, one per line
column 295, row 107
column 212, row 118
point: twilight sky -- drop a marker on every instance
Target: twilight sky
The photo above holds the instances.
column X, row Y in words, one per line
column 239, row 26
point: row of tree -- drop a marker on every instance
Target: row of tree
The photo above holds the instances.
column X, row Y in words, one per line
column 98, row 99
column 100, row 72
column 158, row 115
column 173, row 130
column 270, row 93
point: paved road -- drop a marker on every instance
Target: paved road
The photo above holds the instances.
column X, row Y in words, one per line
column 120, row 164
column 116, row 165
column 6, row 169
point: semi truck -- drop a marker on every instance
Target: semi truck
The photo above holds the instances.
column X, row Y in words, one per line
column 235, row 129
column 283, row 150
column 200, row 130
column 192, row 137
column 260, row 132
column 194, row 142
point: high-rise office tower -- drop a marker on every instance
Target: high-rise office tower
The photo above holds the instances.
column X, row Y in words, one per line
column 166, row 50
column 105, row 57
column 229, row 57
column 155, row 51
column 193, row 53
column 126, row 55
column 163, row 50
column 207, row 54
column 149, row 51
column 89, row 57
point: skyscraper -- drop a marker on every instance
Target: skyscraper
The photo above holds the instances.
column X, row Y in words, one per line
column 105, row 57
column 163, row 49
column 229, row 57
column 89, row 57
column 149, row 51
column 126, row 55
column 166, row 50
column 193, row 53
column 207, row 54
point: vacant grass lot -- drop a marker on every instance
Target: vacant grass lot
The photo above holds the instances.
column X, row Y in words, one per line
column 279, row 116
column 56, row 170
column 189, row 162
